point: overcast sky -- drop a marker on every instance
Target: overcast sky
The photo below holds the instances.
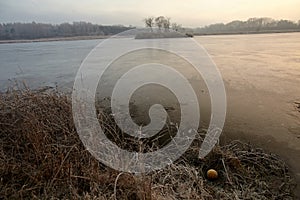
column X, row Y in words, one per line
column 190, row 13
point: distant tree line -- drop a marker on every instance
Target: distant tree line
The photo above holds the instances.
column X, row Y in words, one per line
column 252, row 25
column 12, row 31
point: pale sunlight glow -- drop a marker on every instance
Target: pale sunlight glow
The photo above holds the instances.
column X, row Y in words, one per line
column 192, row 13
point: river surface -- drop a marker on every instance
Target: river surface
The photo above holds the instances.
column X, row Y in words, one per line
column 261, row 75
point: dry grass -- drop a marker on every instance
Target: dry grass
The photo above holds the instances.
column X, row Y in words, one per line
column 41, row 157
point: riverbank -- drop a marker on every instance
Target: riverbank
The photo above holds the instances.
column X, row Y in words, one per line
column 42, row 157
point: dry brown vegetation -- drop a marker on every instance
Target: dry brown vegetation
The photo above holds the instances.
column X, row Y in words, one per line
column 41, row 157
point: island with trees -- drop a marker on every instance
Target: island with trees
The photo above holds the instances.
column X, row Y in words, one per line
column 161, row 27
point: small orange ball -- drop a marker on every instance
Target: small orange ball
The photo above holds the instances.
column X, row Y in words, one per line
column 212, row 174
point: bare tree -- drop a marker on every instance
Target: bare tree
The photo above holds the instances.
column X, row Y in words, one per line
column 159, row 21
column 176, row 27
column 166, row 23
column 149, row 22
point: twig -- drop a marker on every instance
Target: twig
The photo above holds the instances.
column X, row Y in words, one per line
column 115, row 186
column 226, row 171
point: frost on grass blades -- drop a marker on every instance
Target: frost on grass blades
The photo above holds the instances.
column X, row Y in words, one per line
column 145, row 69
